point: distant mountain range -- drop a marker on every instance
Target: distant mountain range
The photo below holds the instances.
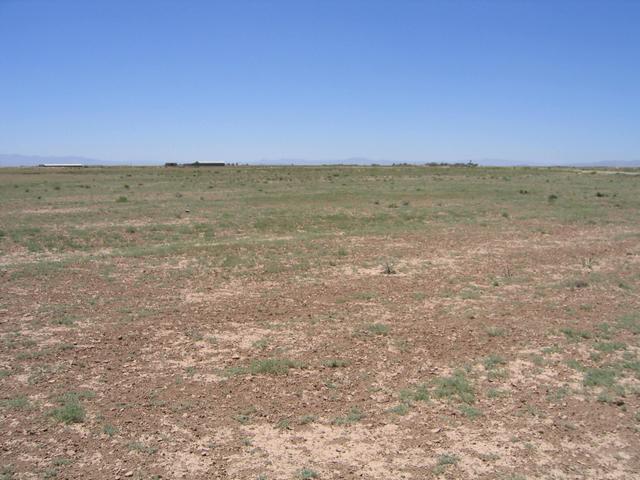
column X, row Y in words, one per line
column 499, row 162
column 15, row 160
column 611, row 163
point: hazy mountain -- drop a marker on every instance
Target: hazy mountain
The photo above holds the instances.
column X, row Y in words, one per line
column 610, row 163
column 500, row 162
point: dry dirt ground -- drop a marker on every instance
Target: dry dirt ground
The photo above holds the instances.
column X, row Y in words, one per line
column 331, row 323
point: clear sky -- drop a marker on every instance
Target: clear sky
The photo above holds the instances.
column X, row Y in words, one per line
column 240, row 81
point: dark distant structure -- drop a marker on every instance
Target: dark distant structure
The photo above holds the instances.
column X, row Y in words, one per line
column 204, row 164
column 170, row 164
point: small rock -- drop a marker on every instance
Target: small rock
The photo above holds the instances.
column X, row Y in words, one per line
column 129, row 473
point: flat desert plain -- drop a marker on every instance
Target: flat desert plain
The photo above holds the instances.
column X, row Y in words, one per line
column 319, row 322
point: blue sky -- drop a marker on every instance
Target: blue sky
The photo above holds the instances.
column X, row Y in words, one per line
column 241, row 81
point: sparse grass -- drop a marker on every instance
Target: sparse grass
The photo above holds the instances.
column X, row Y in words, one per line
column 492, row 361
column 400, row 409
column 495, row 331
column 609, row 347
column 575, row 335
column 233, row 371
column 78, row 394
column 551, row 350
column 599, row 377
column 444, row 461
column 274, row 366
column 577, row 284
column 70, row 410
column 7, row 472
column 558, row 394
column 605, row 331
column 335, row 363
column 244, row 416
column 50, row 473
column 419, row 393
column 630, row 322
column 575, row 364
column 256, row 249
column 307, row 473
column 366, row 296
column 354, row 415
column 307, row 419
column 496, row 393
column 537, row 360
column 606, row 397
column 455, row 386
column 378, row 329
column 470, row 411
column 142, row 448
column 498, row 374
column 470, row 293
column 66, row 320
column 633, row 365
column 17, row 403
column 194, row 335
column 260, row 344
column 268, row 366
column 283, row 424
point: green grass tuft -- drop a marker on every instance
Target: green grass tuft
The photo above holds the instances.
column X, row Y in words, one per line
column 599, row 377
column 274, row 366
column 16, row 403
column 307, row 473
column 456, row 386
column 420, row 393
column 575, row 335
column 609, row 347
column 354, row 415
column 492, row 361
column 471, row 412
column 71, row 411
